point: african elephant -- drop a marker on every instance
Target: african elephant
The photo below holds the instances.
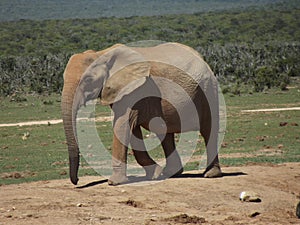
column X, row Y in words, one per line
column 156, row 88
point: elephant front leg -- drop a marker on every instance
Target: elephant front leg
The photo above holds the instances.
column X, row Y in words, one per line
column 119, row 162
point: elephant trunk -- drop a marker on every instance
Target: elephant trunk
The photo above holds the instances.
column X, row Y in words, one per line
column 69, row 122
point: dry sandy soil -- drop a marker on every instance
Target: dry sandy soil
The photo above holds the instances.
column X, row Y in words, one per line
column 189, row 199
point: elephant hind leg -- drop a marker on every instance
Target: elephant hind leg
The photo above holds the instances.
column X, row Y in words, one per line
column 173, row 161
column 153, row 170
column 213, row 170
column 211, row 142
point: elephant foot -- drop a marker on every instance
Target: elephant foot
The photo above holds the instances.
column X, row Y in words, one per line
column 213, row 172
column 117, row 179
column 172, row 172
column 153, row 172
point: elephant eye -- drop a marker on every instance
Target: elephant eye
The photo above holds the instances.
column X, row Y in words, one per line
column 89, row 80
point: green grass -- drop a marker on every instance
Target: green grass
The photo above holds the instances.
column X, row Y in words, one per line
column 273, row 98
column 258, row 136
column 21, row 108
column 29, row 108
column 249, row 138
column 41, row 156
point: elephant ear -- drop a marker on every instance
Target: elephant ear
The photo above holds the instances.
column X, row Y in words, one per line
column 128, row 71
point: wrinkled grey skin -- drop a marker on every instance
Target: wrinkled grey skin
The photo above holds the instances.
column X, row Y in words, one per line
column 159, row 88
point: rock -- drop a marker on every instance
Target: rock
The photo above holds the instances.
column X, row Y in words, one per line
column 224, row 144
column 133, row 203
column 79, row 205
column 261, row 138
column 298, row 210
column 280, row 146
column 254, row 214
column 25, row 136
column 184, row 219
column 283, row 124
column 249, row 196
column 62, row 173
column 17, row 175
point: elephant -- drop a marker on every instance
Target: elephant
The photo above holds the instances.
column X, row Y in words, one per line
column 167, row 89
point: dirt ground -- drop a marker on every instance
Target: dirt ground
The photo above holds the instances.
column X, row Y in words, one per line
column 189, row 199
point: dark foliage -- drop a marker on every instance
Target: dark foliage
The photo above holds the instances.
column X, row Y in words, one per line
column 248, row 50
column 28, row 74
column 67, row 9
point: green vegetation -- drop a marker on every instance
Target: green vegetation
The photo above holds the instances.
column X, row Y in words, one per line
column 56, row 9
column 271, row 137
column 249, row 50
column 29, row 108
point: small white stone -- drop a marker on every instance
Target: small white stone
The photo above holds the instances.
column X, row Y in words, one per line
column 249, row 196
column 79, row 205
column 242, row 195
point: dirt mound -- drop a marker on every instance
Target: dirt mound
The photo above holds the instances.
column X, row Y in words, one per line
column 190, row 199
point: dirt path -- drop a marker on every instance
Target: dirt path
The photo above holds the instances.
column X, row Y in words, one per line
column 30, row 123
column 48, row 122
column 190, row 199
column 109, row 118
column 271, row 110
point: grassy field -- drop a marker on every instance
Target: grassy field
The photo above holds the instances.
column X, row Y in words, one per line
column 270, row 137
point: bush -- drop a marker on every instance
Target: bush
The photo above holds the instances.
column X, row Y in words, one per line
column 27, row 74
column 264, row 78
column 247, row 50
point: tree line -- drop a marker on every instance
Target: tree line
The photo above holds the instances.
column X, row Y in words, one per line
column 248, row 50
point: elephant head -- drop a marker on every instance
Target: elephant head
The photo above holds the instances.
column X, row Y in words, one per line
column 91, row 74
